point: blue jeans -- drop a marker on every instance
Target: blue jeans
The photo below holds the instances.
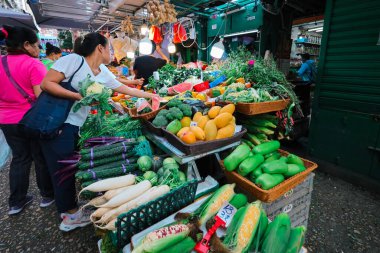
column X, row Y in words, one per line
column 24, row 151
column 60, row 148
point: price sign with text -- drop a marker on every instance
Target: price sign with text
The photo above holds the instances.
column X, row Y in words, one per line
column 226, row 213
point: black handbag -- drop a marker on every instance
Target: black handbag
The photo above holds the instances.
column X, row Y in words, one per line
column 46, row 117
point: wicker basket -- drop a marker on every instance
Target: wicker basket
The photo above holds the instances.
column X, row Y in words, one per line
column 146, row 116
column 277, row 191
column 261, row 107
column 138, row 219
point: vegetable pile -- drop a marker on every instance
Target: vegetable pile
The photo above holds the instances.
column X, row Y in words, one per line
column 170, row 75
column 264, row 165
column 249, row 230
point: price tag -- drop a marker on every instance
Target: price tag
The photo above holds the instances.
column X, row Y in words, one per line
column 213, row 27
column 193, row 123
column 238, row 128
column 226, row 213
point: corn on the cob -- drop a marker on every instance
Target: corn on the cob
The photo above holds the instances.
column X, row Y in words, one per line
column 162, row 238
column 245, row 229
column 222, row 195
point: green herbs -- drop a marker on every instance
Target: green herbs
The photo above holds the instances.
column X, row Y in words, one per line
column 248, row 96
column 170, row 76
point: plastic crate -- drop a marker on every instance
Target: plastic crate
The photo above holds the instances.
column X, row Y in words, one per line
column 138, row 219
column 296, row 203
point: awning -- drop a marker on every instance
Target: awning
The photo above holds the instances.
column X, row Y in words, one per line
column 16, row 18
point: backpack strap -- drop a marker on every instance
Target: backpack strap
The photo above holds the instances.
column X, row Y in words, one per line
column 14, row 83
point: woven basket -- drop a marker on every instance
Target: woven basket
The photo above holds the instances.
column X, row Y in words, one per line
column 261, row 107
column 277, row 191
column 142, row 217
column 146, row 116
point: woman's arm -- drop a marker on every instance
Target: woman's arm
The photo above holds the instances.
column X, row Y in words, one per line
column 51, row 84
column 158, row 49
column 131, row 82
column 37, row 90
column 134, row 92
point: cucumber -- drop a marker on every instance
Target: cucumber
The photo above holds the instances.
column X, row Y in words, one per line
column 267, row 147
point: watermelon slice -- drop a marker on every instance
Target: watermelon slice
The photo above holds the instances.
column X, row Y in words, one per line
column 179, row 88
column 155, row 103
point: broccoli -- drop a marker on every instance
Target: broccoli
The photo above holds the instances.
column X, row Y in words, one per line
column 174, row 113
column 186, row 109
column 160, row 121
column 174, row 103
column 163, row 112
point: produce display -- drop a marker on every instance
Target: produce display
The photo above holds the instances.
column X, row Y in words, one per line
column 263, row 164
column 248, row 231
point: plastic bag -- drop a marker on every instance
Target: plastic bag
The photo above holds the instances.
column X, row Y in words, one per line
column 179, row 33
column 5, row 150
column 155, row 34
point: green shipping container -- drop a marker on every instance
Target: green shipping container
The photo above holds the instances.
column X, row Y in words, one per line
column 345, row 125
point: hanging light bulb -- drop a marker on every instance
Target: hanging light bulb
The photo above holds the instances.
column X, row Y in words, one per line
column 217, row 49
column 144, row 29
column 145, row 46
column 130, row 54
column 171, row 48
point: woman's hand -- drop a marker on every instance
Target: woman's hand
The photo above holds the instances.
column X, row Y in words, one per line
column 77, row 96
column 139, row 82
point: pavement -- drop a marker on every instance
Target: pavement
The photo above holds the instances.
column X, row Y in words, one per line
column 343, row 218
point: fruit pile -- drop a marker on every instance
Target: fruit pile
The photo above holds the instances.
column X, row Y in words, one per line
column 217, row 123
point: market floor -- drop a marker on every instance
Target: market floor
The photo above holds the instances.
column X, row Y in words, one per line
column 343, row 218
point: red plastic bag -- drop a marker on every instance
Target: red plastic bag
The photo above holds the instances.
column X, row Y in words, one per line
column 155, row 34
column 179, row 33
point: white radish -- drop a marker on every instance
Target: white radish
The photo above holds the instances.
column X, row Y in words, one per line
column 95, row 202
column 99, row 213
column 129, row 194
column 110, row 225
column 112, row 193
column 112, row 214
column 151, row 194
column 110, row 184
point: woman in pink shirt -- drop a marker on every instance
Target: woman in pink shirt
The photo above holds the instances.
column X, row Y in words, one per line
column 21, row 74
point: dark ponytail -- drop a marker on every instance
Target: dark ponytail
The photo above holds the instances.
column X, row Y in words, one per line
column 86, row 46
column 16, row 36
column 51, row 49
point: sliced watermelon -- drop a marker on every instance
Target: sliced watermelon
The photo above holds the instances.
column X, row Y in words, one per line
column 155, row 103
column 179, row 88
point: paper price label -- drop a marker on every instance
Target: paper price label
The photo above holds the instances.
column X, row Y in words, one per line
column 193, row 123
column 226, row 213
column 238, row 128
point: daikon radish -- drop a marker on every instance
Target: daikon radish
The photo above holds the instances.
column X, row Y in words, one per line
column 110, row 225
column 151, row 194
column 129, row 194
column 99, row 213
column 95, row 202
column 112, row 193
column 110, row 184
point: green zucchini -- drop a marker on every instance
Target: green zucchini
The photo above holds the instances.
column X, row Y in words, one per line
column 267, row 147
column 250, row 164
column 275, row 167
column 294, row 169
column 293, row 159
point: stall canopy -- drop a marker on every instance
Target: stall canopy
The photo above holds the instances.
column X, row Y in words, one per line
column 85, row 14
column 16, row 18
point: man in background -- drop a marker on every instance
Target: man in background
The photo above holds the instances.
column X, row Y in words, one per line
column 307, row 70
column 145, row 65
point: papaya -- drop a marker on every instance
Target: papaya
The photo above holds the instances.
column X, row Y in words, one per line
column 198, row 132
column 189, row 137
column 230, row 108
column 214, row 111
column 182, row 131
column 185, row 121
column 197, row 116
column 202, row 121
column 211, row 130
column 223, row 120
column 226, row 132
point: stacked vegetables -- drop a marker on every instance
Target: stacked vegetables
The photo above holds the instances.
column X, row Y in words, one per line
column 121, row 194
column 264, row 165
column 261, row 128
column 248, row 231
column 173, row 116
